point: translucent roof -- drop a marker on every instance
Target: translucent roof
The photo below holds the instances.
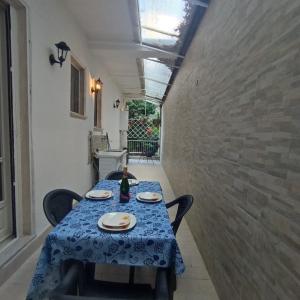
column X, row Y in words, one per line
column 157, row 71
column 160, row 23
column 155, row 89
column 160, row 19
column 157, row 39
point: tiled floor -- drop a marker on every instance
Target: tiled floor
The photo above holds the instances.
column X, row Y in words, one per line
column 194, row 284
column 144, row 161
column 16, row 286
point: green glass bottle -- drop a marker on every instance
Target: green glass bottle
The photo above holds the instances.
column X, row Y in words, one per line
column 124, row 187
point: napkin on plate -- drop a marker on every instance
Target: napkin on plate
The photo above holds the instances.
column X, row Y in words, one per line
column 149, row 196
column 99, row 194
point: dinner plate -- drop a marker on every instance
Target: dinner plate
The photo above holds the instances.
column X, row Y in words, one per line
column 116, row 220
column 149, row 197
column 99, row 194
column 110, row 218
column 131, row 182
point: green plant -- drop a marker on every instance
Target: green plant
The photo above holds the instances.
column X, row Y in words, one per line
column 140, row 109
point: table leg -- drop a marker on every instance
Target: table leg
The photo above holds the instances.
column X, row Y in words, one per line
column 64, row 267
column 131, row 275
column 172, row 279
column 90, row 271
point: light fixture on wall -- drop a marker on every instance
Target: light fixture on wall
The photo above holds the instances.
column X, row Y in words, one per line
column 97, row 85
column 116, row 104
column 62, row 51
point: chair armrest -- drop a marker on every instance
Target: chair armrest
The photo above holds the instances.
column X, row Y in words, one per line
column 172, row 203
column 161, row 285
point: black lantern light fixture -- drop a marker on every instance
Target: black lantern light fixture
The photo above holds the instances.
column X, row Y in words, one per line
column 97, row 85
column 62, row 51
column 116, row 104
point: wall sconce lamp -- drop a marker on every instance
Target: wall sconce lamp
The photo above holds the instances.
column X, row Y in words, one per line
column 97, row 85
column 62, row 51
column 116, row 104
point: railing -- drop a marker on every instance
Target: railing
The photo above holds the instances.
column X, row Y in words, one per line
column 143, row 147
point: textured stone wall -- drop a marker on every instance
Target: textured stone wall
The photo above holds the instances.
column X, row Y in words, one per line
column 232, row 139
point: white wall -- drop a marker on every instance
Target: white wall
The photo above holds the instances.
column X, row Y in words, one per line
column 110, row 115
column 60, row 142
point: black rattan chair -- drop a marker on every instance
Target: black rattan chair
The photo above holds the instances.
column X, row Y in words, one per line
column 58, row 203
column 184, row 202
column 149, row 153
column 117, row 175
column 75, row 286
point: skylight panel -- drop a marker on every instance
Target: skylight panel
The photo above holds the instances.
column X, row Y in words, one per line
column 160, row 20
column 158, row 39
column 164, row 15
column 157, row 71
column 155, row 89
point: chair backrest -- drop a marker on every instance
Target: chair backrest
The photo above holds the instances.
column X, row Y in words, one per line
column 58, row 203
column 117, row 175
column 184, row 202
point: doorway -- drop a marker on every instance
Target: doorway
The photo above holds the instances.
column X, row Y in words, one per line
column 144, row 131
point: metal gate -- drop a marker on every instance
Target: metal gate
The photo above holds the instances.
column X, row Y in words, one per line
column 143, row 137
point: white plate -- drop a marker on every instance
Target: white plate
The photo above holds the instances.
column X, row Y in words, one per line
column 99, row 194
column 131, row 182
column 148, row 196
column 116, row 219
column 131, row 224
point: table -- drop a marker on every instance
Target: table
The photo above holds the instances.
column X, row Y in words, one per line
column 150, row 243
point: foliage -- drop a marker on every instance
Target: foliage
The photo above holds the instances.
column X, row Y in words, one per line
column 183, row 26
column 143, row 126
column 140, row 109
column 181, row 29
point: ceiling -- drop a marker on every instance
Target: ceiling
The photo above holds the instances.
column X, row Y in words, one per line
column 115, row 35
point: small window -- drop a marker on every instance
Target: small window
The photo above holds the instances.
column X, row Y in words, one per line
column 77, row 88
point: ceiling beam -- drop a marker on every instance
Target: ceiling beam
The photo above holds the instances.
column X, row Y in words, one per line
column 160, row 31
column 134, row 95
column 198, row 3
column 129, row 90
column 137, row 76
column 143, row 97
column 155, row 98
column 133, row 91
column 107, row 45
column 162, row 51
column 152, row 101
column 161, row 62
column 135, row 19
column 136, row 89
column 142, row 49
column 154, row 80
column 140, row 67
column 125, row 75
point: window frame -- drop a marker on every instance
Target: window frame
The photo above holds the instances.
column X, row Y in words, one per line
column 81, row 113
column 98, row 109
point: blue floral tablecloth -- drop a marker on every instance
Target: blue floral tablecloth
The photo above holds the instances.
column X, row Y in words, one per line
column 150, row 243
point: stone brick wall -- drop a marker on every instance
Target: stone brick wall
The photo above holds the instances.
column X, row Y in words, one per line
column 232, row 139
